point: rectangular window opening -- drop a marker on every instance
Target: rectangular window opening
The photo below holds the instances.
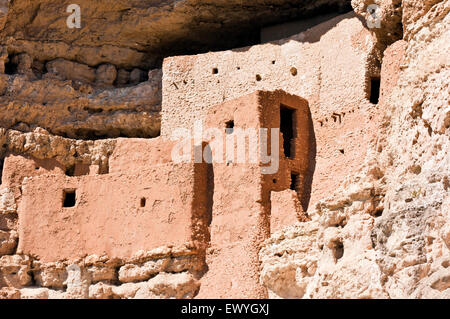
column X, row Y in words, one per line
column 287, row 128
column 2, row 161
column 69, row 198
column 375, row 84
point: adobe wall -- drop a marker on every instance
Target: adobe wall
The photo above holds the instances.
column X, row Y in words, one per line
column 239, row 219
column 108, row 217
column 17, row 167
column 131, row 155
column 329, row 65
column 241, row 208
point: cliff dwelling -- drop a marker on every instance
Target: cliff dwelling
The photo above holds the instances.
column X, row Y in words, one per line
column 242, row 149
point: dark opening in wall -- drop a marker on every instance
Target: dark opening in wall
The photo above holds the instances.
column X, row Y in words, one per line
column 210, row 187
column 104, row 169
column 294, row 181
column 229, row 127
column 287, row 128
column 294, row 71
column 338, row 250
column 143, row 202
column 378, row 212
column 375, row 84
column 70, row 171
column 215, row 71
column 2, row 161
column 11, row 66
column 69, row 198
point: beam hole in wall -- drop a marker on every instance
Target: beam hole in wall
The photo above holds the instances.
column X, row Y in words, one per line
column 378, row 212
column 258, row 77
column 229, row 127
column 143, row 202
column 342, row 151
column 375, row 84
column 274, row 181
column 70, row 197
column 294, row 181
column 294, row 71
column 287, row 128
column 91, row 110
column 215, row 71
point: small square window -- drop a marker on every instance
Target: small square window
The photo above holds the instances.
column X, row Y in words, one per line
column 69, row 198
column 229, row 127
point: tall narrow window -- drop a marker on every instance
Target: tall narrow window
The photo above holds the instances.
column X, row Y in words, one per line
column 375, row 84
column 2, row 161
column 287, row 128
column 294, row 181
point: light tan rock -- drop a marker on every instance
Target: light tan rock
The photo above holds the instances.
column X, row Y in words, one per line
column 8, row 242
column 9, row 293
column 289, row 260
column 128, row 290
column 77, row 282
column 7, row 201
column 386, row 19
column 51, row 275
column 178, row 286
column 34, row 293
column 135, row 273
column 102, row 273
column 101, row 291
column 14, row 271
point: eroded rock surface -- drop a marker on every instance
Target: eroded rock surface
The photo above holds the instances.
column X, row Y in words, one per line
column 139, row 33
column 384, row 233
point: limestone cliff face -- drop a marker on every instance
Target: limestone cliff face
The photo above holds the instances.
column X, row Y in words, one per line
column 102, row 80
column 139, row 33
column 385, row 232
